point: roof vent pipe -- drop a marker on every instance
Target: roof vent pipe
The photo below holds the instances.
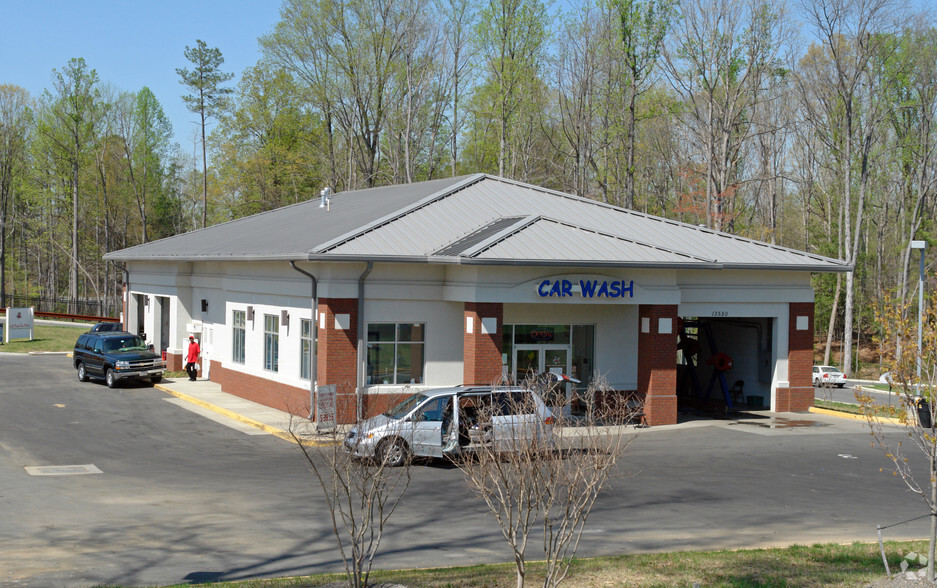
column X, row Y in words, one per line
column 325, row 193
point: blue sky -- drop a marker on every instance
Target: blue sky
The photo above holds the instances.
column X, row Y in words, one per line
column 131, row 44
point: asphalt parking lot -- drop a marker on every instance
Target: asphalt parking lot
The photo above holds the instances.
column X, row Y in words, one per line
column 184, row 498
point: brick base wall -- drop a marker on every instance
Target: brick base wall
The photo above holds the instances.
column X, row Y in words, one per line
column 660, row 410
column 296, row 400
column 174, row 362
column 795, row 399
column 261, row 390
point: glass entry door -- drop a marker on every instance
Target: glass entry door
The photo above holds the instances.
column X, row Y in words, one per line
column 531, row 360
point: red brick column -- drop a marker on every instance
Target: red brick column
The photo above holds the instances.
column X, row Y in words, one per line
column 337, row 352
column 481, row 352
column 657, row 362
column 798, row 396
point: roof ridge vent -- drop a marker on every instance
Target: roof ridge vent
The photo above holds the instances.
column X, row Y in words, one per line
column 479, row 235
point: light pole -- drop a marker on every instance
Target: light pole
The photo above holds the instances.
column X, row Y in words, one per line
column 920, row 306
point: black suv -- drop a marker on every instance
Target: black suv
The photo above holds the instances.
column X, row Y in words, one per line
column 115, row 356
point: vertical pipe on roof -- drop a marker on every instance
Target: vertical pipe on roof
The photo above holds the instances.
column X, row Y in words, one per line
column 315, row 336
column 362, row 349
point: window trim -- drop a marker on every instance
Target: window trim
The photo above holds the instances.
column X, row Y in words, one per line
column 238, row 343
column 272, row 343
column 305, row 339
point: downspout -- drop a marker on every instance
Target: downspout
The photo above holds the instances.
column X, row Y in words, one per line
column 125, row 297
column 315, row 337
column 362, row 348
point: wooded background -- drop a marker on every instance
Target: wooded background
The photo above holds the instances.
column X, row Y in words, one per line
column 808, row 125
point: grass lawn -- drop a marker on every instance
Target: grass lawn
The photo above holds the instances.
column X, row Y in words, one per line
column 47, row 338
column 857, row 564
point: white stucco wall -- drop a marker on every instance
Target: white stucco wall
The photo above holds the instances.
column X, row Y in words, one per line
column 435, row 295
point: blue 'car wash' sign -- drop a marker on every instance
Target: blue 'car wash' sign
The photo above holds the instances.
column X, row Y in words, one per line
column 586, row 289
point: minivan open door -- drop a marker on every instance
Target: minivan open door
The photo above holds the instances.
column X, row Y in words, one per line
column 428, row 424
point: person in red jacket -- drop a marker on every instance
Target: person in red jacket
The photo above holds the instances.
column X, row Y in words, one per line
column 191, row 358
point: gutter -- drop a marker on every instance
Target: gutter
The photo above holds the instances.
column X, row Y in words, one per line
column 362, row 346
column 315, row 337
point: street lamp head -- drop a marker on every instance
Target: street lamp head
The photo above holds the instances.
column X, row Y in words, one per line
column 918, row 244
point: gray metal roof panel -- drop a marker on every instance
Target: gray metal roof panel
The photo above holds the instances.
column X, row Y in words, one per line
column 425, row 222
column 289, row 232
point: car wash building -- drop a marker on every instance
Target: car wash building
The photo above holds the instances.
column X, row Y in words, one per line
column 373, row 294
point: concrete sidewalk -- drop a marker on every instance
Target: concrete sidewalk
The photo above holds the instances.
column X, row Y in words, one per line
column 208, row 395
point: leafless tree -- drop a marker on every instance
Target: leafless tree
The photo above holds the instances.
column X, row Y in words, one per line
column 547, row 476
column 849, row 110
column 723, row 56
column 361, row 495
column 15, row 118
column 914, row 375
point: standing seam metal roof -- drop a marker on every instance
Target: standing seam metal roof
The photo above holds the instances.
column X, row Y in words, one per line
column 474, row 219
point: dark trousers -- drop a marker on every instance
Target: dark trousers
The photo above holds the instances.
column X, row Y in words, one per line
column 191, row 370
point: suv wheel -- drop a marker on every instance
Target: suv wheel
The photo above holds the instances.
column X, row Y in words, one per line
column 393, row 452
column 156, row 379
column 110, row 378
column 82, row 374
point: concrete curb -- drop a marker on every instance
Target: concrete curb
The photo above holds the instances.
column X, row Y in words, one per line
column 853, row 417
column 275, row 431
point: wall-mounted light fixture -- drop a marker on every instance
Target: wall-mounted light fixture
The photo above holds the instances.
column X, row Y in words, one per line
column 204, row 305
column 146, row 301
column 285, row 318
column 250, row 313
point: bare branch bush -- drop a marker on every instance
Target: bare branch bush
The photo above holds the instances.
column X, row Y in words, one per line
column 917, row 413
column 361, row 494
column 545, row 474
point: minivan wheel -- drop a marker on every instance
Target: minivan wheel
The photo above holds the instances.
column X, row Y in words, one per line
column 82, row 374
column 110, row 379
column 393, row 452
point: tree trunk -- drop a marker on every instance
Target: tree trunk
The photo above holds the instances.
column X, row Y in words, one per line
column 73, row 266
column 204, row 174
column 832, row 326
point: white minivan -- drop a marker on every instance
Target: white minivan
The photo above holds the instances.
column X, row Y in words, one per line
column 450, row 421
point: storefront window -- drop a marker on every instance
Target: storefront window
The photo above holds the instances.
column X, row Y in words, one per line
column 395, row 353
column 507, row 351
column 583, row 355
column 238, row 332
column 528, row 350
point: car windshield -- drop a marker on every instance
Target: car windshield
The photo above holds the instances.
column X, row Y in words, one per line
column 402, row 409
column 129, row 343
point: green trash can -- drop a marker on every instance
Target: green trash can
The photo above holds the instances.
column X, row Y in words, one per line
column 756, row 401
